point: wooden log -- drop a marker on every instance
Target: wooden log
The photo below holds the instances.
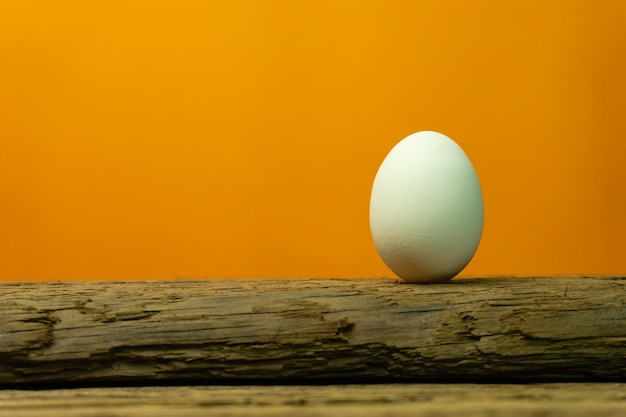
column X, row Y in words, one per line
column 313, row 331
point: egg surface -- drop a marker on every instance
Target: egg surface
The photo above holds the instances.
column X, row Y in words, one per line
column 426, row 209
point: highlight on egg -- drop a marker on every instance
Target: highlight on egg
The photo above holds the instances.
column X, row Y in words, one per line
column 426, row 209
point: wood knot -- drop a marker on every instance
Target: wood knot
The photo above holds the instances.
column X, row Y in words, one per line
column 344, row 325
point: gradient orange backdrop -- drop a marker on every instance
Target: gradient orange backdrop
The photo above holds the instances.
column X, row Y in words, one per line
column 164, row 139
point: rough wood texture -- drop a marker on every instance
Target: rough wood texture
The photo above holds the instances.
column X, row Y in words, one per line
column 410, row 400
column 278, row 331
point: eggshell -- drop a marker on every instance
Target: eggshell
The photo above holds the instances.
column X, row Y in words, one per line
column 426, row 209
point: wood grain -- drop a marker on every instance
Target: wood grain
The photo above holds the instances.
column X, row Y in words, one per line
column 377, row 400
column 313, row 331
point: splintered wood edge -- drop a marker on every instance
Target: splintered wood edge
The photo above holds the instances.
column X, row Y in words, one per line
column 503, row 329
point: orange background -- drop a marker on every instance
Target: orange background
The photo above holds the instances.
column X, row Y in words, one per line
column 164, row 139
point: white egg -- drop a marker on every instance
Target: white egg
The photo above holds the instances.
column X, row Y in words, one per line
column 426, row 209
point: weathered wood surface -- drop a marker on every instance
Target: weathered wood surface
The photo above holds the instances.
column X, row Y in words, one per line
column 284, row 331
column 410, row 400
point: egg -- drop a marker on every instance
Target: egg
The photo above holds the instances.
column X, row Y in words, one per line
column 426, row 209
